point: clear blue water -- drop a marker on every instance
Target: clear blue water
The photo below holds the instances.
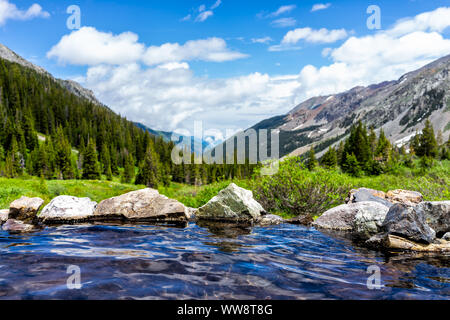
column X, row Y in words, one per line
column 209, row 262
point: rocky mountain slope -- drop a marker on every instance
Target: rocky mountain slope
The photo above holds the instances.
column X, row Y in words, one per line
column 399, row 107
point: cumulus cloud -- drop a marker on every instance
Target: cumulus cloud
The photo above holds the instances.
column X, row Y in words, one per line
column 89, row 46
column 320, row 6
column 9, row 11
column 314, row 36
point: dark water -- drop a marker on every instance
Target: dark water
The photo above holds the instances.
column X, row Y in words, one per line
column 209, row 262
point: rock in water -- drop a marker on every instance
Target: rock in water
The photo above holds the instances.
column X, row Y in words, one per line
column 4, row 216
column 191, row 213
column 364, row 194
column 342, row 218
column 142, row 205
column 437, row 215
column 408, row 222
column 404, row 197
column 271, row 220
column 232, row 204
column 369, row 220
column 16, row 226
column 446, row 236
column 25, row 208
column 66, row 209
column 399, row 243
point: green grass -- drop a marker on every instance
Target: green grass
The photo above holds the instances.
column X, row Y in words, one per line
column 12, row 189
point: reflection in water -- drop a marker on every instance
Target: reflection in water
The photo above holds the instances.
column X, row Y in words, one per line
column 209, row 261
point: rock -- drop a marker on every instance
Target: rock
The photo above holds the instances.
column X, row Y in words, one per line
column 25, row 208
column 304, row 220
column 270, row 220
column 446, row 236
column 342, row 218
column 191, row 213
column 408, row 222
column 16, row 226
column 4, row 216
column 369, row 220
column 232, row 204
column 437, row 215
column 145, row 205
column 399, row 243
column 65, row 209
column 377, row 241
column 404, row 197
column 364, row 194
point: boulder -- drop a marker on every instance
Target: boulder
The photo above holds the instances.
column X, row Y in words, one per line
column 404, row 197
column 270, row 220
column 66, row 209
column 365, row 194
column 304, row 220
column 25, row 208
column 191, row 213
column 4, row 216
column 342, row 217
column 446, row 236
column 16, row 226
column 408, row 222
column 145, row 205
column 232, row 204
column 369, row 220
column 437, row 215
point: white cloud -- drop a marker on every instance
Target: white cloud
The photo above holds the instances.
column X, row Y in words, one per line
column 9, row 11
column 262, row 40
column 216, row 4
column 282, row 10
column 204, row 15
column 89, row 46
column 314, row 36
column 320, row 6
column 284, row 22
column 186, row 18
column 212, row 49
column 202, row 8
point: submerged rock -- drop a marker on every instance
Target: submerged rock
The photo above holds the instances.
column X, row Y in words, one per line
column 408, row 222
column 16, row 226
column 399, row 243
column 365, row 194
column 4, row 216
column 342, row 217
column 404, row 197
column 142, row 205
column 437, row 215
column 369, row 220
column 25, row 208
column 232, row 204
column 64, row 209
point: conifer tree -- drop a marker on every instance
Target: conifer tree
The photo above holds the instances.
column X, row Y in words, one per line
column 91, row 169
column 129, row 169
column 329, row 159
column 312, row 161
column 427, row 142
column 148, row 170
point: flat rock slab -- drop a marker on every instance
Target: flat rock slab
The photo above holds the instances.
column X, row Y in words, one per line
column 25, row 208
column 67, row 209
column 142, row 205
column 16, row 226
column 232, row 204
column 404, row 197
column 399, row 243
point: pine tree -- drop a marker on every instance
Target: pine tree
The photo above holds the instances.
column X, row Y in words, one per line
column 312, row 161
column 427, row 142
column 149, row 169
column 128, row 172
column 329, row 159
column 91, row 169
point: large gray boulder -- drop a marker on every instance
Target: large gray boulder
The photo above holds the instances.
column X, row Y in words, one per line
column 16, row 226
column 4, row 216
column 232, row 204
column 142, row 205
column 365, row 194
column 66, row 209
column 408, row 222
column 25, row 208
column 342, row 218
column 437, row 215
column 369, row 220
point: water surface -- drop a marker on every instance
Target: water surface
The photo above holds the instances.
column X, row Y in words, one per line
column 209, row 262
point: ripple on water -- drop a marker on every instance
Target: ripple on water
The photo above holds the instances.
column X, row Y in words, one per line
column 209, row 261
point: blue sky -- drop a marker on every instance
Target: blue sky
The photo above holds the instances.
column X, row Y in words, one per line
column 248, row 60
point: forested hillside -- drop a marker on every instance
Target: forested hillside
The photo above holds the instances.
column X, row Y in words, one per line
column 47, row 131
